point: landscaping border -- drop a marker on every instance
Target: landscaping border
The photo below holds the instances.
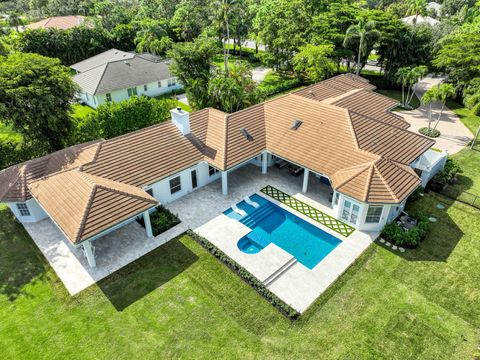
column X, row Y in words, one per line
column 246, row 276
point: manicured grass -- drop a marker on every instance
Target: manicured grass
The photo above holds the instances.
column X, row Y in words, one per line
column 469, row 178
column 180, row 302
column 397, row 95
column 81, row 111
column 232, row 59
column 472, row 122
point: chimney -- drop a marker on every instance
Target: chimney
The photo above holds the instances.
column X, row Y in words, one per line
column 181, row 120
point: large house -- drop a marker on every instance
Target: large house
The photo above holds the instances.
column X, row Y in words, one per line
column 116, row 75
column 338, row 129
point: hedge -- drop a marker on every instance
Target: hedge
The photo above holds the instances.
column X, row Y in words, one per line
column 246, row 276
column 162, row 220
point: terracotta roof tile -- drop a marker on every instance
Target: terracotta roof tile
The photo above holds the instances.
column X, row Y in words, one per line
column 83, row 205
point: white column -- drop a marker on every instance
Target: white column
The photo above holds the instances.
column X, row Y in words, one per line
column 89, row 253
column 224, row 183
column 306, row 174
column 264, row 162
column 148, row 224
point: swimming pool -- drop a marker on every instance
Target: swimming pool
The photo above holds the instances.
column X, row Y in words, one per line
column 272, row 224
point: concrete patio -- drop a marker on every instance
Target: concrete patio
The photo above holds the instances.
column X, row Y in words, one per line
column 202, row 210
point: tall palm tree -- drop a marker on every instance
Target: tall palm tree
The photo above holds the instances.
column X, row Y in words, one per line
column 416, row 7
column 225, row 8
column 365, row 33
column 444, row 92
column 150, row 37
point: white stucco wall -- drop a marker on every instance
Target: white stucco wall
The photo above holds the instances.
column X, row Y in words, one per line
column 119, row 95
column 36, row 212
column 161, row 189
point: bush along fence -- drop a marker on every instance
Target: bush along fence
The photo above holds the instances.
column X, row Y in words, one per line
column 162, row 220
column 251, row 280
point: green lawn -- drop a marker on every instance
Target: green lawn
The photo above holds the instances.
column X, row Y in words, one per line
column 6, row 133
column 80, row 111
column 180, row 302
column 472, row 122
column 397, row 95
column 232, row 59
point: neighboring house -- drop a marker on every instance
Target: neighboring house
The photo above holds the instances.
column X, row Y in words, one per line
column 338, row 129
column 420, row 19
column 116, row 75
column 58, row 22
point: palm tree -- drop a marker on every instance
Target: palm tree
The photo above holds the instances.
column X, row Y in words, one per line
column 402, row 77
column 416, row 7
column 225, row 7
column 151, row 37
column 428, row 98
column 444, row 92
column 365, row 33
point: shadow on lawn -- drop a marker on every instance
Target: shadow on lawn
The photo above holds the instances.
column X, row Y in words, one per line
column 134, row 281
column 20, row 263
column 443, row 235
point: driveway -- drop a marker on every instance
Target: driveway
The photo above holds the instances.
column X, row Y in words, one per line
column 454, row 135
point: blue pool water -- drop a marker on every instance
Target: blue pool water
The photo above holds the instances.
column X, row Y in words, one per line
column 272, row 224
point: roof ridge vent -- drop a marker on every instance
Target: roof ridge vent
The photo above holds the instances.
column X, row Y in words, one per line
column 246, row 134
column 296, row 124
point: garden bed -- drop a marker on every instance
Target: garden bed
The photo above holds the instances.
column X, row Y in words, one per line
column 162, row 220
column 399, row 235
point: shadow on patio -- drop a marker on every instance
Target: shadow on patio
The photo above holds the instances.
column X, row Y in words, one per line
column 151, row 271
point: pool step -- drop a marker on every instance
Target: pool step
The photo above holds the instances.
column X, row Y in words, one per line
column 238, row 211
column 258, row 215
column 251, row 202
column 268, row 281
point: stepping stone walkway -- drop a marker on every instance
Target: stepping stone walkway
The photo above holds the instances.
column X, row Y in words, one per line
column 432, row 219
column 440, row 206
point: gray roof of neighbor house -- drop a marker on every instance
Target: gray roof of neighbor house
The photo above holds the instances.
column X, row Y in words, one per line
column 115, row 70
column 366, row 154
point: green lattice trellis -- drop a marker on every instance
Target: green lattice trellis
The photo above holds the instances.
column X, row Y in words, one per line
column 307, row 210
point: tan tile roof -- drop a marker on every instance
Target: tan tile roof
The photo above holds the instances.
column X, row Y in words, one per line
column 380, row 181
column 334, row 86
column 389, row 141
column 58, row 22
column 370, row 104
column 83, row 205
column 143, row 157
column 14, row 180
column 350, row 138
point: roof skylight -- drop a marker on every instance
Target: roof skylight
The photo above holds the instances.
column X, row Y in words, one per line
column 246, row 134
column 296, row 124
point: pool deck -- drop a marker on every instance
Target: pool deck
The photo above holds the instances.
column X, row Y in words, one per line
column 291, row 281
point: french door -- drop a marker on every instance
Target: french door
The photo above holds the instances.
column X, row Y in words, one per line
column 350, row 212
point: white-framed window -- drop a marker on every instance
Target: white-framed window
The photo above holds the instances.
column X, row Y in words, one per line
column 95, row 100
column 350, row 211
column 132, row 91
column 374, row 213
column 211, row 170
column 23, row 209
column 175, row 185
column 172, row 82
column 108, row 97
column 337, row 197
column 145, row 87
column 159, row 84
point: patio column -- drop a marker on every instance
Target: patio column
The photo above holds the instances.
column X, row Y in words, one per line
column 148, row 224
column 264, row 163
column 224, row 183
column 306, row 174
column 89, row 253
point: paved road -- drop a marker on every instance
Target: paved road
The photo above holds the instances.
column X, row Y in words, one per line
column 454, row 135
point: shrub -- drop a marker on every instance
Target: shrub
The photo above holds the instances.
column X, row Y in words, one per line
column 449, row 173
column 275, row 83
column 411, row 238
column 430, row 132
column 118, row 118
column 476, row 109
column 285, row 309
column 162, row 220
